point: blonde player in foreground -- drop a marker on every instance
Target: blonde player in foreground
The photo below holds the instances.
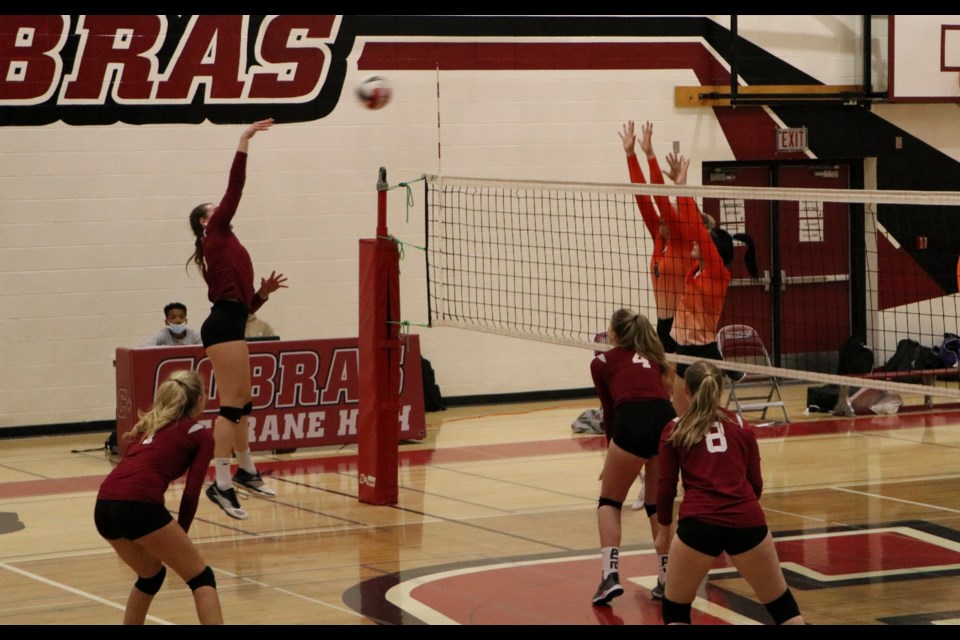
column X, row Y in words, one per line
column 720, row 461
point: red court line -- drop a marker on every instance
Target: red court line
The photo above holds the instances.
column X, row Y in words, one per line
column 506, row 451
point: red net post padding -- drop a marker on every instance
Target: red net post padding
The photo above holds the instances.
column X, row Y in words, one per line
column 380, row 355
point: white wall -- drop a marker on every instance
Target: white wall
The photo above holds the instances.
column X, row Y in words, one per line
column 93, row 231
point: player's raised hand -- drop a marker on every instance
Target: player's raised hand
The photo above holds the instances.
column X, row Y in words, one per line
column 628, row 137
column 646, row 139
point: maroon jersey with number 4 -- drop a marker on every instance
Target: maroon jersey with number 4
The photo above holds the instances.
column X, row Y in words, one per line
column 623, row 375
column 721, row 476
column 150, row 465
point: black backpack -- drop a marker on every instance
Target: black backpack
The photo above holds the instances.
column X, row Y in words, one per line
column 855, row 357
column 432, row 398
column 111, row 443
column 910, row 356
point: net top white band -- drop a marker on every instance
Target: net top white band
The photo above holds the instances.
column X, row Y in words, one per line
column 853, row 196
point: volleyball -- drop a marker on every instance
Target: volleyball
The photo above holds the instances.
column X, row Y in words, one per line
column 374, row 92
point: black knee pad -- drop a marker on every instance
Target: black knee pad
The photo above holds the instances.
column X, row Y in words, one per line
column 248, row 408
column 233, row 414
column 651, row 509
column 203, row 579
column 610, row 503
column 674, row 612
column 783, row 608
column 150, row 586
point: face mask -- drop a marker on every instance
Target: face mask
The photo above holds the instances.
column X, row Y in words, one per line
column 177, row 329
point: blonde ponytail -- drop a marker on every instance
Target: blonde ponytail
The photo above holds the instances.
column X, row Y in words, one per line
column 705, row 382
column 634, row 331
column 179, row 396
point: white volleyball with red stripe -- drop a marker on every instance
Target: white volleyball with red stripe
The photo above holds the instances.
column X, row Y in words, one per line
column 374, row 92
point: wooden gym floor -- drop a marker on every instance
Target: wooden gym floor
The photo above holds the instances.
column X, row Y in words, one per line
column 496, row 525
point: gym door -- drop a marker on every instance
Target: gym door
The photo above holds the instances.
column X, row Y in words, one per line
column 800, row 306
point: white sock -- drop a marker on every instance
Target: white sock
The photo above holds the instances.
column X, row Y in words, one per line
column 246, row 461
column 610, row 558
column 662, row 571
column 224, row 477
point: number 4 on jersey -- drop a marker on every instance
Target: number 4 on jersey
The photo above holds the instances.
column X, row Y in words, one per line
column 638, row 359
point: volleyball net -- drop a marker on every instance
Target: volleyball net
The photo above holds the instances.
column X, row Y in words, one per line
column 551, row 261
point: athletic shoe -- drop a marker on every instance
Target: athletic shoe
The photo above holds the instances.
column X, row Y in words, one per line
column 737, row 376
column 226, row 500
column 252, row 482
column 657, row 592
column 608, row 590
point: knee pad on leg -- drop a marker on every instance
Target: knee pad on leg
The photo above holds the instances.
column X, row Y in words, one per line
column 651, row 509
column 674, row 612
column 151, row 586
column 248, row 408
column 203, row 579
column 233, row 414
column 783, row 608
column 610, row 503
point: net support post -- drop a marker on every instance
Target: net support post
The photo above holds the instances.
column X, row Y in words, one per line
column 380, row 351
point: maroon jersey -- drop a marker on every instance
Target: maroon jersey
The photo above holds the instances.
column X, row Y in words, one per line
column 623, row 375
column 151, row 465
column 229, row 272
column 721, row 476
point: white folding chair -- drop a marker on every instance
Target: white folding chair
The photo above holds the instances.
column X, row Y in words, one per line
column 753, row 393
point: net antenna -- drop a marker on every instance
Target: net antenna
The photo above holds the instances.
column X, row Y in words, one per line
column 551, row 261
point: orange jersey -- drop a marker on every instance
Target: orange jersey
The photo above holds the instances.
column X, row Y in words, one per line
column 704, row 287
column 671, row 255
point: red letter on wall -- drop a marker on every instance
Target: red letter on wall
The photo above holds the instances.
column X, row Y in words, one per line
column 115, row 49
column 30, row 63
column 294, row 54
column 211, row 52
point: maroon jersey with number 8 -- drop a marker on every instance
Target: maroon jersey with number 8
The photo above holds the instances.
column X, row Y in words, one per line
column 721, row 476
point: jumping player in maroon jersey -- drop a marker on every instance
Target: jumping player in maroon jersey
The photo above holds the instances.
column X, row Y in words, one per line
column 720, row 463
column 226, row 266
column 130, row 512
column 632, row 380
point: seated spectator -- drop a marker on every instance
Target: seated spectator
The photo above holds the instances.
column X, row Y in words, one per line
column 257, row 328
column 176, row 332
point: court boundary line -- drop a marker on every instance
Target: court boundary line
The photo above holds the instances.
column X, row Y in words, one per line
column 75, row 591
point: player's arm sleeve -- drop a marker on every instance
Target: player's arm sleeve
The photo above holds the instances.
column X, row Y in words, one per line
column 195, row 477
column 753, row 463
column 713, row 273
column 667, row 210
column 603, row 392
column 688, row 224
column 257, row 303
column 669, row 475
column 647, row 211
column 231, row 199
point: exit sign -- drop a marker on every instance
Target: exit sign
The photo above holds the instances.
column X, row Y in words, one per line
column 792, row 139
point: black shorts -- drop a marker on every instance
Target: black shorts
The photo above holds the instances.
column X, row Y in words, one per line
column 638, row 426
column 116, row 519
column 227, row 322
column 713, row 539
column 711, row 351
